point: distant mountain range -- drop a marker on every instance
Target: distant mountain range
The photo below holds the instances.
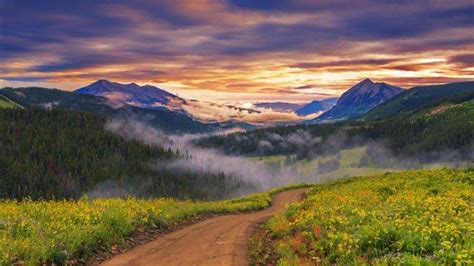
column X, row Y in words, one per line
column 366, row 100
column 162, row 118
column 147, row 96
column 280, row 106
column 313, row 107
column 359, row 99
column 316, row 107
column 151, row 97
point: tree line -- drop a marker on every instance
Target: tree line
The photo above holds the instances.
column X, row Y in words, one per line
column 425, row 136
column 65, row 154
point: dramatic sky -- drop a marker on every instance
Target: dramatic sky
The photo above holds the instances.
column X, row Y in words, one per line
column 236, row 50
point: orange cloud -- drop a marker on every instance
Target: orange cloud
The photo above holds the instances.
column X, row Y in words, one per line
column 229, row 51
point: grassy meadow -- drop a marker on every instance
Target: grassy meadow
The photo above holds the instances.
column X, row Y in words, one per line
column 37, row 232
column 422, row 217
column 348, row 159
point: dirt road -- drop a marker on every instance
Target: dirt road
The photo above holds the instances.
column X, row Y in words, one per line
column 216, row 241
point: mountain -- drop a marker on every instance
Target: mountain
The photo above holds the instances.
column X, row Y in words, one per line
column 153, row 98
column 359, row 99
column 132, row 94
column 280, row 106
column 161, row 118
column 311, row 108
column 330, row 101
column 300, row 109
column 420, row 97
column 316, row 106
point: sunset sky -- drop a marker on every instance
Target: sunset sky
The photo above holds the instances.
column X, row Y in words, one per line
column 236, row 50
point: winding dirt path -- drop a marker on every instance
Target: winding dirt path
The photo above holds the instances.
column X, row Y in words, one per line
column 216, row 241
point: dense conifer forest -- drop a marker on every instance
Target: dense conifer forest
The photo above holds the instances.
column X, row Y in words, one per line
column 64, row 154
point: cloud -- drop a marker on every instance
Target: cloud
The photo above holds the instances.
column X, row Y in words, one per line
column 206, row 111
column 239, row 46
column 345, row 63
column 465, row 60
column 25, row 79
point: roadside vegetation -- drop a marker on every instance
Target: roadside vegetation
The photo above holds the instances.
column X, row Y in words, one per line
column 48, row 231
column 413, row 217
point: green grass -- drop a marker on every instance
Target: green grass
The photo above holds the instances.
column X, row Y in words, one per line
column 7, row 103
column 349, row 160
column 268, row 159
column 37, row 232
column 421, row 217
column 352, row 172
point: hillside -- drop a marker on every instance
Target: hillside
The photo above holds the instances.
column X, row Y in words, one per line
column 297, row 139
column 7, row 103
column 359, row 99
column 441, row 132
column 420, row 97
column 163, row 119
column 462, row 112
column 408, row 218
column 66, row 154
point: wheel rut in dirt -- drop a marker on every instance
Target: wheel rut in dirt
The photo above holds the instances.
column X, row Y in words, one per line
column 220, row 240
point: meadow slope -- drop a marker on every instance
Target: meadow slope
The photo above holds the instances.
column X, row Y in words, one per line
column 413, row 217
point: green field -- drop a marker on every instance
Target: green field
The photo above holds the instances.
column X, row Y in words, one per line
column 348, row 159
column 422, row 217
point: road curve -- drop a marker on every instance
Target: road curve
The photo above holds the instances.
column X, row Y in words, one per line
column 220, row 240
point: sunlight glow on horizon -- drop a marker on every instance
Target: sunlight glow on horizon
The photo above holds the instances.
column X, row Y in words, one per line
column 232, row 50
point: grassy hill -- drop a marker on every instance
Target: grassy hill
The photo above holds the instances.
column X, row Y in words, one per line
column 421, row 97
column 410, row 218
column 7, row 103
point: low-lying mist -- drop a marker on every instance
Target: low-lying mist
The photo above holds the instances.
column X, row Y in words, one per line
column 245, row 175
column 250, row 175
